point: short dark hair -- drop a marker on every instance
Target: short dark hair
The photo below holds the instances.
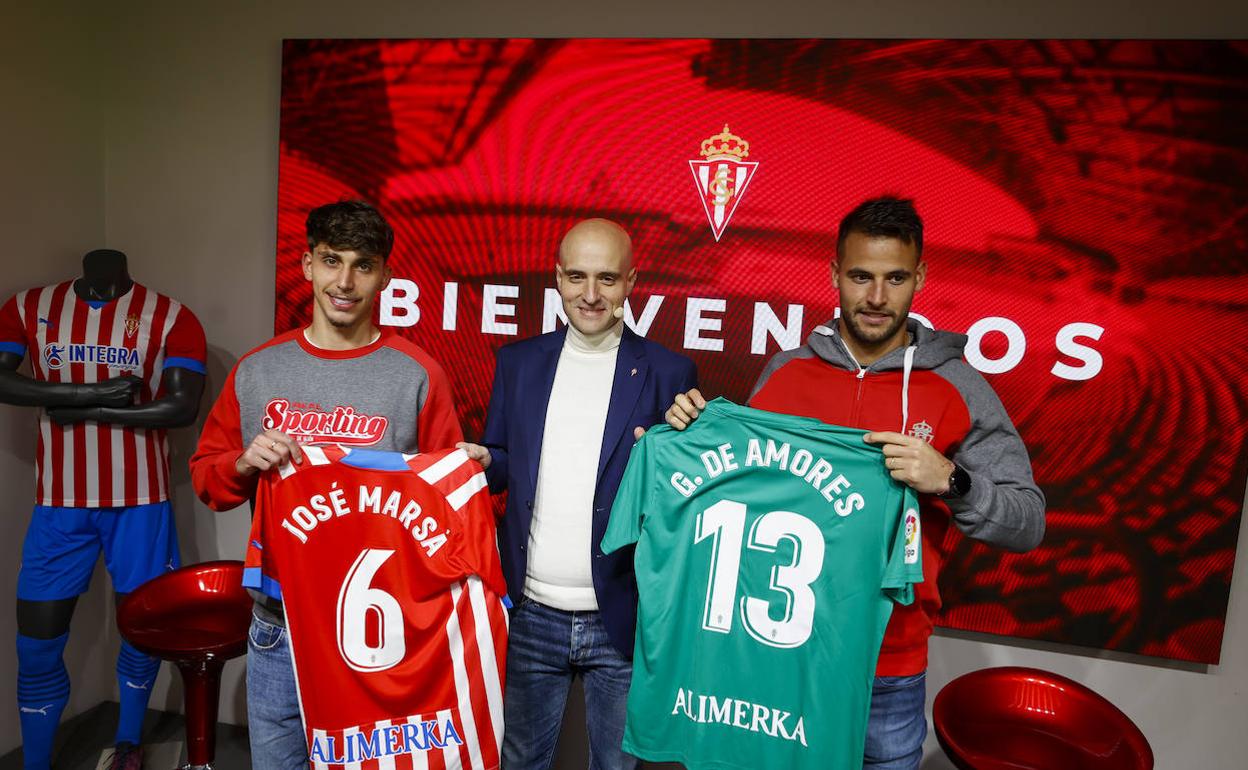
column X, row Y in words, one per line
column 350, row 225
column 886, row 216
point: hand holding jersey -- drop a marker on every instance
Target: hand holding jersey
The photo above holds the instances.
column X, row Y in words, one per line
column 768, row 547
column 955, row 443
column 910, row 460
column 405, row 669
column 913, row 461
column 685, row 409
column 270, row 449
column 476, row 452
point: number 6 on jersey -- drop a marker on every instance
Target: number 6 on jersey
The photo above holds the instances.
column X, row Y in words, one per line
column 358, row 604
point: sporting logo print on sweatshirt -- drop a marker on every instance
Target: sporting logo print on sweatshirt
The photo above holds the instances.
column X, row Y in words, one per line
column 311, row 424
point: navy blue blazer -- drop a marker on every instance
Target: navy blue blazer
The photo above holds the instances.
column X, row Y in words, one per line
column 647, row 378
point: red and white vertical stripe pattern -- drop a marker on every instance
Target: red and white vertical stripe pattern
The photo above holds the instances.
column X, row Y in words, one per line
column 475, row 639
column 453, row 671
column 90, row 464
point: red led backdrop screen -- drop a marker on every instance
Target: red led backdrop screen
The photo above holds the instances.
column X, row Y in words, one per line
column 1085, row 207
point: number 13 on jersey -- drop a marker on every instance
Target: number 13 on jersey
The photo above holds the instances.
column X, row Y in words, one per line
column 723, row 523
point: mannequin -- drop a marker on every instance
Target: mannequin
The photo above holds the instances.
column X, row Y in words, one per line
column 105, row 277
column 117, row 400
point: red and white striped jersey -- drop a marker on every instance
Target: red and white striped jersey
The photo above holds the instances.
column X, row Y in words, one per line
column 90, row 464
column 388, row 570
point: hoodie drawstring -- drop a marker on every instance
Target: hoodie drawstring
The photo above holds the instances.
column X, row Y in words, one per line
column 907, row 367
column 905, row 388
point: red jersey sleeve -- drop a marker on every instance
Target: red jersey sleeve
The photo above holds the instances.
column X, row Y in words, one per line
column 185, row 345
column 13, row 336
column 259, row 571
column 480, row 548
column 213, row 474
column 461, row 482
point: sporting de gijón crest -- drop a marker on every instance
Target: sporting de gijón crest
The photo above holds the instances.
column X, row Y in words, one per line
column 722, row 177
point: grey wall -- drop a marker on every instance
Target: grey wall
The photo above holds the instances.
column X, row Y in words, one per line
column 51, row 212
column 152, row 127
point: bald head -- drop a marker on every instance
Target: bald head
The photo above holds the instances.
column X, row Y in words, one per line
column 595, row 274
column 600, row 236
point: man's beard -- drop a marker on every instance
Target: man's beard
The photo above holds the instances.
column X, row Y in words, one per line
column 338, row 323
column 868, row 338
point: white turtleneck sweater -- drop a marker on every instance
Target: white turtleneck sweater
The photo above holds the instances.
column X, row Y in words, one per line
column 560, row 548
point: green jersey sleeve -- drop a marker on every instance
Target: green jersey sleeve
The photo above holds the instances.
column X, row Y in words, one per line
column 768, row 547
column 633, row 498
column 905, row 555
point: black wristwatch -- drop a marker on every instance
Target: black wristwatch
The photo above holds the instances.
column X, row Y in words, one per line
column 959, row 483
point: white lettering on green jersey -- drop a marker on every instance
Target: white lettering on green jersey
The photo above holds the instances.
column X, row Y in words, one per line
column 769, row 552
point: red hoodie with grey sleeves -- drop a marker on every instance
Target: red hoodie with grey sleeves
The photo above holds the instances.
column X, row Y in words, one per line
column 924, row 390
column 388, row 395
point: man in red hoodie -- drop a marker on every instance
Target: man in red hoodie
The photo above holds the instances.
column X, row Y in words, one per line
column 943, row 431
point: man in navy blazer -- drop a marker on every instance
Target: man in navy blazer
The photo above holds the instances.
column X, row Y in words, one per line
column 564, row 413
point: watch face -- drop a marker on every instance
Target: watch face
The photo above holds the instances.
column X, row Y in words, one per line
column 960, row 481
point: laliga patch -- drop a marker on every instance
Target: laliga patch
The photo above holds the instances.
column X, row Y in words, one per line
column 912, row 536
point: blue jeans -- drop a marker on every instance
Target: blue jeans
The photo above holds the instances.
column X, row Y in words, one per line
column 897, row 726
column 275, row 724
column 546, row 648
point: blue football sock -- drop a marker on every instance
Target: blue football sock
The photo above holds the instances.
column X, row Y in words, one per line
column 42, row 692
column 136, row 673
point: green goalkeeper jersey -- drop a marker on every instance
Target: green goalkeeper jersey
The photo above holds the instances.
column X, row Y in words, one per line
column 770, row 551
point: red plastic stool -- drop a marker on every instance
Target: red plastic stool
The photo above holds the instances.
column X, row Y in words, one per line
column 197, row 617
column 1016, row 718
